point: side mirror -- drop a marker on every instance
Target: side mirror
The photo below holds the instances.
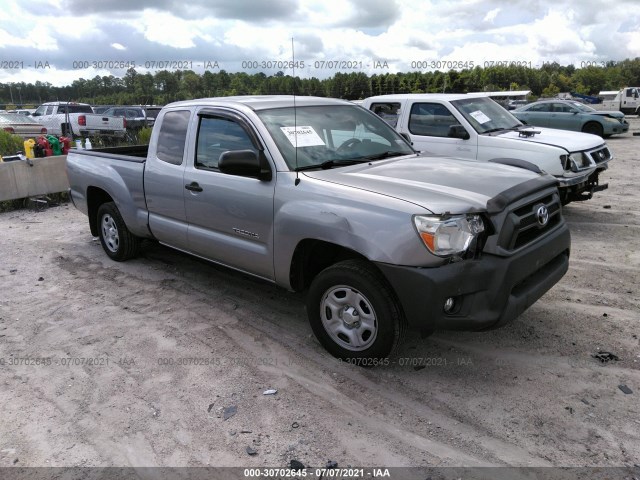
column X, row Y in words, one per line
column 458, row 131
column 245, row 163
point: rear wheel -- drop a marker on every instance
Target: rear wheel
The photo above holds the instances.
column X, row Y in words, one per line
column 116, row 239
column 593, row 128
column 354, row 313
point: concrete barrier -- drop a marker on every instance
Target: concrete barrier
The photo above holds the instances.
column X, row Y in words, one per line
column 47, row 175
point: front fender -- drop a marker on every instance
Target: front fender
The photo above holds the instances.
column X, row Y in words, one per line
column 378, row 227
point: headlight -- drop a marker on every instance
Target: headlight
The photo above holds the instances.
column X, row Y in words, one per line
column 575, row 161
column 448, row 236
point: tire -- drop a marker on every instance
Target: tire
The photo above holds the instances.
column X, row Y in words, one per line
column 593, row 128
column 66, row 130
column 116, row 239
column 339, row 299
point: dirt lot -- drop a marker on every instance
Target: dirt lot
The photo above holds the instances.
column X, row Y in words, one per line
column 139, row 363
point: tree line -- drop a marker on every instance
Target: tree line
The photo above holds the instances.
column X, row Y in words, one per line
column 164, row 86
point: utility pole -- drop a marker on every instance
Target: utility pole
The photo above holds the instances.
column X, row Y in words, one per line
column 11, row 92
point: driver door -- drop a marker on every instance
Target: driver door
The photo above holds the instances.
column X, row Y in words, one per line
column 230, row 217
column 429, row 127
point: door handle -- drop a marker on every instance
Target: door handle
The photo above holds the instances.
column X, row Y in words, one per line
column 194, row 187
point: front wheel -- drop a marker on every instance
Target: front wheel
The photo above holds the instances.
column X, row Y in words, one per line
column 116, row 239
column 593, row 128
column 354, row 313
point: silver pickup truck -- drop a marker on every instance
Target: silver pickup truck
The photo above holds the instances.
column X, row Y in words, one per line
column 322, row 195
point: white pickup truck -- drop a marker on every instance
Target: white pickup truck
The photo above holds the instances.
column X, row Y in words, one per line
column 78, row 120
column 475, row 127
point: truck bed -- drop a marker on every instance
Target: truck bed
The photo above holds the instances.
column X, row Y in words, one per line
column 131, row 153
column 114, row 171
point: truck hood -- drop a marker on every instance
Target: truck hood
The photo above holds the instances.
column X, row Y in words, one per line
column 438, row 184
column 570, row 141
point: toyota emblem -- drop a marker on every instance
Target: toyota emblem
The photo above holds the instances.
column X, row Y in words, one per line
column 542, row 215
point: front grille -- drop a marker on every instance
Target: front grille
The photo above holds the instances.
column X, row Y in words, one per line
column 522, row 225
column 600, row 155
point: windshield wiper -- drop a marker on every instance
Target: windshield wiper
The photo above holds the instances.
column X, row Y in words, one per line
column 351, row 161
column 330, row 164
column 499, row 129
column 387, row 154
column 502, row 129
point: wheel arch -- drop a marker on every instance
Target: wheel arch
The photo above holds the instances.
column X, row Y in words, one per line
column 96, row 196
column 311, row 256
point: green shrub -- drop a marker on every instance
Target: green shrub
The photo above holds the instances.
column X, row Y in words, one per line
column 10, row 144
column 144, row 135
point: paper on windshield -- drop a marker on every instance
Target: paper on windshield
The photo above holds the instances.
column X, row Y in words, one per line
column 480, row 116
column 302, row 136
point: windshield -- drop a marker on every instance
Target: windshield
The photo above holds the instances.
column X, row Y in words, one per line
column 582, row 107
column 331, row 134
column 485, row 115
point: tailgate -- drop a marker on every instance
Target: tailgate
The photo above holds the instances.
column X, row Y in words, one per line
column 104, row 122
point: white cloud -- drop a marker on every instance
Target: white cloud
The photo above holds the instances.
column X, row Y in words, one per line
column 433, row 30
column 491, row 15
column 167, row 29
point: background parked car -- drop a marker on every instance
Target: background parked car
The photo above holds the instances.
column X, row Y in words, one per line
column 513, row 104
column 136, row 117
column 100, row 108
column 153, row 111
column 22, row 125
column 572, row 115
column 23, row 111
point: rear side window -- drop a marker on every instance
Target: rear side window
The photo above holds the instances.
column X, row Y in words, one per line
column 541, row 107
column 172, row 137
column 389, row 112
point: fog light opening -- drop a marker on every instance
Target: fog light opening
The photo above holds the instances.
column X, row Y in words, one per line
column 449, row 305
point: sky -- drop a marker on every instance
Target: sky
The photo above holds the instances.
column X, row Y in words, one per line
column 59, row 41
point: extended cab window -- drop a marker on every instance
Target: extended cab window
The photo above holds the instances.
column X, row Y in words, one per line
column 389, row 112
column 217, row 135
column 172, row 137
column 431, row 119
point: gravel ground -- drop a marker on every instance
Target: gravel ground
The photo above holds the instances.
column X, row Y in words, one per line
column 163, row 361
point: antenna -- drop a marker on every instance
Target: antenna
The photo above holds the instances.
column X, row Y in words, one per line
column 295, row 118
